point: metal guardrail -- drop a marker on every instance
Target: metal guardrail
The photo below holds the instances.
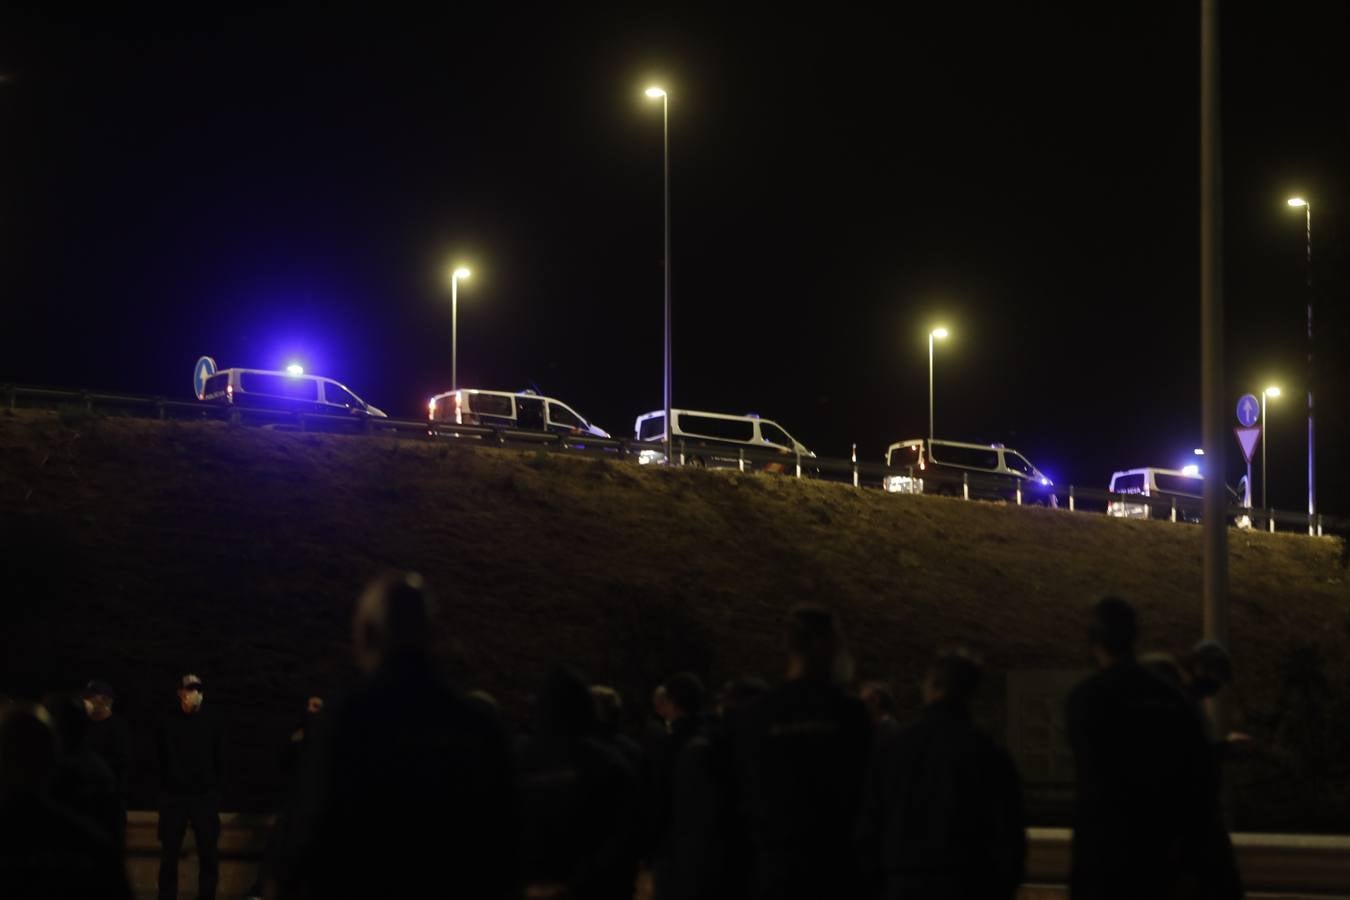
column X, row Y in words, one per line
column 970, row 485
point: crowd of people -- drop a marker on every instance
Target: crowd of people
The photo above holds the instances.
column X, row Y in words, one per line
column 408, row 786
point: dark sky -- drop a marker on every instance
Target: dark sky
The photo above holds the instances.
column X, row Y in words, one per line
column 291, row 185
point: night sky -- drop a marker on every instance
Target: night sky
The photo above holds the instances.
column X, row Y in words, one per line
column 291, row 186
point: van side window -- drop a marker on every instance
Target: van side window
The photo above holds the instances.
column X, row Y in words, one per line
column 775, row 435
column 489, row 404
column 904, row 456
column 1129, row 484
column 741, row 430
column 1179, row 484
column 288, row 386
column 967, row 457
column 561, row 415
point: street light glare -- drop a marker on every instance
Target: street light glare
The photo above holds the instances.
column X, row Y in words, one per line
column 939, row 333
column 295, row 369
column 654, row 92
column 1297, row 201
column 461, row 272
column 1272, row 391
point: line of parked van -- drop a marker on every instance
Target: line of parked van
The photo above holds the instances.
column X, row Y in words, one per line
column 706, row 439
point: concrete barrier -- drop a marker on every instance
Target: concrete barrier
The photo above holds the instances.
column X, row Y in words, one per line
column 1274, row 866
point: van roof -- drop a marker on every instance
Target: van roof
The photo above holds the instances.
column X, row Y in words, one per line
column 1155, row 470
column 913, row 442
column 525, row 393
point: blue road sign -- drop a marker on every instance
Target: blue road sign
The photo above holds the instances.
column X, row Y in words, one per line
column 205, row 368
column 1248, row 410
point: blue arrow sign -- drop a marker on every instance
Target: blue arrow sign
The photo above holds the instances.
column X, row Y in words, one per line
column 205, row 368
column 1248, row 410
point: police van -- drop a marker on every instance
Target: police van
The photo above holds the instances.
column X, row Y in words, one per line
column 523, row 410
column 1186, row 488
column 716, row 439
column 289, row 391
column 987, row 471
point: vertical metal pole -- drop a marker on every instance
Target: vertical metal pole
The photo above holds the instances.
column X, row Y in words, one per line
column 1019, row 494
column 1215, row 580
column 665, row 155
column 1312, row 469
column 740, row 458
column 930, row 394
column 1263, row 451
column 454, row 332
column 1174, row 509
column 965, row 485
column 855, row 465
column 1071, row 498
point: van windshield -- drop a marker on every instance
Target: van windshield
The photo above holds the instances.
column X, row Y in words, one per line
column 904, row 456
column 652, row 428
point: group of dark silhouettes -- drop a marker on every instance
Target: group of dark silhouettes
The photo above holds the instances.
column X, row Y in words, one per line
column 407, row 786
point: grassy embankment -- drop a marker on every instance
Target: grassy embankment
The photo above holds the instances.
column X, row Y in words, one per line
column 137, row 550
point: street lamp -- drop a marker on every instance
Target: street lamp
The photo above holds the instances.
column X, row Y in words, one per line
column 655, row 92
column 1312, row 480
column 938, row 333
column 455, row 276
column 1271, row 392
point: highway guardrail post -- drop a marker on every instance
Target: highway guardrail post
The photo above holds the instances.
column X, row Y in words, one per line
column 965, row 485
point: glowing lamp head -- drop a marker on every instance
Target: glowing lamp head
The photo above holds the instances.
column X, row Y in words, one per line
column 654, row 92
column 1297, row 201
column 1191, row 470
column 1272, row 391
column 939, row 333
column 295, row 369
column 1199, row 451
column 461, row 273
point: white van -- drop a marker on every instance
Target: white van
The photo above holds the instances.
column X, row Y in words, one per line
column 1188, row 489
column 297, row 393
column 524, row 410
column 988, row 471
column 715, row 439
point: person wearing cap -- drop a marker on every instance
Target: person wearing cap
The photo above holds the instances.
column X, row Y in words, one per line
column 190, row 773
column 108, row 736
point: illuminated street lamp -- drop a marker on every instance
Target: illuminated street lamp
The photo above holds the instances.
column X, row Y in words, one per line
column 1271, row 392
column 455, row 276
column 938, row 333
column 295, row 369
column 653, row 93
column 1297, row 202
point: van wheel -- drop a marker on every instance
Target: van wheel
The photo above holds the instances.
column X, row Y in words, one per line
column 696, row 462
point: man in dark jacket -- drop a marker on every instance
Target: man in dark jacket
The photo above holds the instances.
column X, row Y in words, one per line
column 108, row 736
column 801, row 753
column 191, row 769
column 405, row 789
column 942, row 812
column 1144, row 803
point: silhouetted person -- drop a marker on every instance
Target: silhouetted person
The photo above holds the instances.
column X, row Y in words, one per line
column 609, row 725
column 801, row 752
column 191, row 769
column 739, row 693
column 81, row 780
column 880, row 703
column 47, row 851
column 1144, row 804
column 942, row 813
column 294, row 751
column 109, row 736
column 406, row 790
column 578, row 799
column 694, row 859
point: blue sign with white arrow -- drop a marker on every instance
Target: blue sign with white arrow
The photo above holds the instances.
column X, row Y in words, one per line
column 1248, row 410
column 205, row 368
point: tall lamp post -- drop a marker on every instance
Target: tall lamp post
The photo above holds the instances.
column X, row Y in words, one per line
column 1271, row 392
column 938, row 333
column 655, row 92
column 1312, row 478
column 455, row 276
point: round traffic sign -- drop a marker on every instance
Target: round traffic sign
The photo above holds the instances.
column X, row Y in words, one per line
column 205, row 368
column 1248, row 410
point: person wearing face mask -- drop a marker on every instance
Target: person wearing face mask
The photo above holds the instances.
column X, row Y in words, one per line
column 190, row 773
